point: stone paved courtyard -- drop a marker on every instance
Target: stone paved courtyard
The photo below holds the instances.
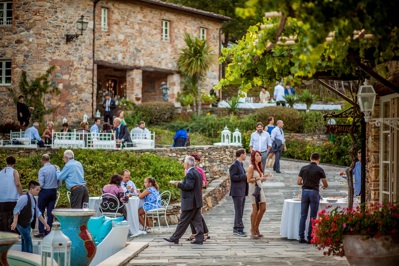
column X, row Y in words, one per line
column 226, row 249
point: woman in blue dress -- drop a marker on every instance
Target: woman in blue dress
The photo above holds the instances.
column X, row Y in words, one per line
column 269, row 128
column 151, row 198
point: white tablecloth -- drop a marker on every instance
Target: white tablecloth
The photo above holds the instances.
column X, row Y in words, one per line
column 291, row 216
column 132, row 208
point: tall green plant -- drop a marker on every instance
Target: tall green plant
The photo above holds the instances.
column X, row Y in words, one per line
column 233, row 105
column 291, row 100
column 194, row 62
column 308, row 98
column 35, row 91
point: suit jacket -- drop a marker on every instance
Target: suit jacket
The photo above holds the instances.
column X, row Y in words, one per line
column 112, row 106
column 191, row 190
column 238, row 180
column 123, row 133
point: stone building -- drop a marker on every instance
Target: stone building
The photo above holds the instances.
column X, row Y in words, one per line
column 128, row 49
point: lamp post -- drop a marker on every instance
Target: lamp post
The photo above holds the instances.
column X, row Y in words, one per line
column 81, row 25
column 366, row 97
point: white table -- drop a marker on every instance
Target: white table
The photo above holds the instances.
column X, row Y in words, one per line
column 291, row 216
column 132, row 208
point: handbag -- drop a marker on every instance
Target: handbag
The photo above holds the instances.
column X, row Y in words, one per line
column 256, row 193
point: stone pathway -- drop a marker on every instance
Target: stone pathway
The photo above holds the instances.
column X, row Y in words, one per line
column 226, row 249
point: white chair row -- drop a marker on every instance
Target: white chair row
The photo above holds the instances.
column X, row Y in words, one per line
column 18, row 138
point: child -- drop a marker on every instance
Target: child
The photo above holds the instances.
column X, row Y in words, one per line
column 24, row 213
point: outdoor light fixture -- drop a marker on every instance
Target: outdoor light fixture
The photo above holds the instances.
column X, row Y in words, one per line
column 366, row 97
column 81, row 25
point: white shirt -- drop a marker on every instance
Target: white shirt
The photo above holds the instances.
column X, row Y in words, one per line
column 260, row 142
column 277, row 133
column 279, row 93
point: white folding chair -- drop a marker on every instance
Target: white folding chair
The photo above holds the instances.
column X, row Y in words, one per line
column 157, row 212
column 110, row 205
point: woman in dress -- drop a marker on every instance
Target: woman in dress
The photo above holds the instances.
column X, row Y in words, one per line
column 150, row 196
column 114, row 188
column 121, row 116
column 270, row 156
column 204, row 184
column 48, row 133
column 255, row 176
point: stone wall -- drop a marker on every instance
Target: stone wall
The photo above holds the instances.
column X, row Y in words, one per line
column 36, row 40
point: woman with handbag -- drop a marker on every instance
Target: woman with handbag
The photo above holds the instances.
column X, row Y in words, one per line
column 255, row 177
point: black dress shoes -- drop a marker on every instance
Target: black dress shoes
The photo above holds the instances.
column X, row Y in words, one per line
column 196, row 242
column 39, row 235
column 172, row 241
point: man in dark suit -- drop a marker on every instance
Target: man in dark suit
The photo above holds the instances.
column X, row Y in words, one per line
column 109, row 106
column 122, row 134
column 191, row 203
column 238, row 191
column 23, row 112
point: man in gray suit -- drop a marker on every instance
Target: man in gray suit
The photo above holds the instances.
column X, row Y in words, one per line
column 191, row 203
column 238, row 191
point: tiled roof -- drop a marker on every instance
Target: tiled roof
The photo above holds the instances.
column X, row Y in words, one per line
column 186, row 9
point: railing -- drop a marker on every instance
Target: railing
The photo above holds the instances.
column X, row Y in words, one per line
column 19, row 138
column 143, row 140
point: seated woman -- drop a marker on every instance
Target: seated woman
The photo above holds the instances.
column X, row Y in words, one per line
column 114, row 188
column 84, row 128
column 65, row 130
column 121, row 117
column 150, row 196
column 47, row 135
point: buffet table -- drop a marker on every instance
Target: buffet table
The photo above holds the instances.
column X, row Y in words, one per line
column 132, row 208
column 291, row 215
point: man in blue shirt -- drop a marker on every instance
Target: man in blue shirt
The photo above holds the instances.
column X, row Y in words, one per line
column 73, row 175
column 289, row 90
column 96, row 127
column 357, row 175
column 48, row 192
column 278, row 140
column 33, row 134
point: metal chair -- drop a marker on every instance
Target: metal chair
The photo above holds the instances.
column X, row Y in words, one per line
column 58, row 197
column 157, row 212
column 110, row 205
column 69, row 196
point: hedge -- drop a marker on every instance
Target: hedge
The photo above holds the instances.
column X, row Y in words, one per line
column 99, row 165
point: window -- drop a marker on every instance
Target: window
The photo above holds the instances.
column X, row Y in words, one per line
column 5, row 72
column 104, row 19
column 202, row 33
column 165, row 30
column 5, row 13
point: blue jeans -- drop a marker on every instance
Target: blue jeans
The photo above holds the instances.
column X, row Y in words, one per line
column 26, row 239
column 309, row 198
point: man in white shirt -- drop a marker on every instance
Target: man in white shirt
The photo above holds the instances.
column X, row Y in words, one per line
column 279, row 94
column 127, row 184
column 141, row 132
column 278, row 140
column 260, row 141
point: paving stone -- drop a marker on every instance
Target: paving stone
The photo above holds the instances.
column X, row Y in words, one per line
column 224, row 248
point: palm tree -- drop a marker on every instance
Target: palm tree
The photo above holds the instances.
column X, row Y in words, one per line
column 194, row 61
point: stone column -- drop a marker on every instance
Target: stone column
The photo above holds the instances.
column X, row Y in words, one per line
column 134, row 85
column 174, row 84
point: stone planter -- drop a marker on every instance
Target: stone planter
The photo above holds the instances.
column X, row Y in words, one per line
column 74, row 225
column 363, row 251
column 6, row 241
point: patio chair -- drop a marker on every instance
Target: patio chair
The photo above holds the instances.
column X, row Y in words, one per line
column 110, row 205
column 156, row 213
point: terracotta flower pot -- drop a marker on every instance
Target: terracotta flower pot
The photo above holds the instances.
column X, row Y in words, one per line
column 360, row 250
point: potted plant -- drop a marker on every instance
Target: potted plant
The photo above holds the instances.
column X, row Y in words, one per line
column 365, row 237
column 291, row 100
column 208, row 99
column 308, row 98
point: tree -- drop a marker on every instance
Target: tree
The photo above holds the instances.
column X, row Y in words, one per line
column 35, row 91
column 194, row 62
column 361, row 34
column 233, row 29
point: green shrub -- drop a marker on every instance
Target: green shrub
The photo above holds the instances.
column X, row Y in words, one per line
column 155, row 113
column 291, row 100
column 308, row 98
column 98, row 170
column 334, row 153
column 290, row 116
column 313, row 122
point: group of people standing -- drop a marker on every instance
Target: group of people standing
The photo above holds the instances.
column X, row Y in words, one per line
column 278, row 94
column 19, row 210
